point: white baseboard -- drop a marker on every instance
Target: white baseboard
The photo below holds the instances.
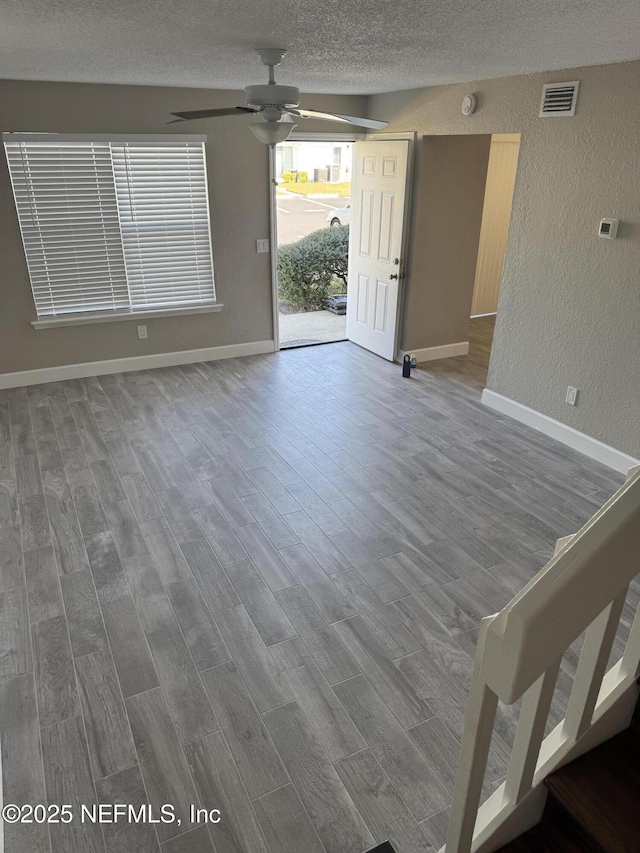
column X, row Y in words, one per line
column 579, row 441
column 138, row 362
column 432, row 353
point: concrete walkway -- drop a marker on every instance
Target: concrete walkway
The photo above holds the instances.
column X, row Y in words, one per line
column 312, row 327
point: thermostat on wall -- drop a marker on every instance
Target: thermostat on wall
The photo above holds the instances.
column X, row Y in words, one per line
column 608, row 228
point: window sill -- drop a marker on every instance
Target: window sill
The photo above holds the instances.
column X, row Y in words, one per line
column 112, row 317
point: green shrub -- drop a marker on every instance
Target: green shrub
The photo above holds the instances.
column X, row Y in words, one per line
column 288, row 177
column 303, row 177
column 313, row 267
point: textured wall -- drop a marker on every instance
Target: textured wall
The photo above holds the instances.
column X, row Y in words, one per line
column 569, row 310
column 450, row 178
column 239, row 193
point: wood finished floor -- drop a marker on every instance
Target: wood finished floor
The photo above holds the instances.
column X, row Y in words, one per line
column 254, row 585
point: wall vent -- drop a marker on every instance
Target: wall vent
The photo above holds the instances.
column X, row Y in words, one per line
column 559, row 99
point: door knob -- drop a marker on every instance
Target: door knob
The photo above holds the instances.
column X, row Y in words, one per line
column 393, row 275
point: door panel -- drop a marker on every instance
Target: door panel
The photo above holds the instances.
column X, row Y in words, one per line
column 377, row 212
column 389, row 167
column 386, row 227
column 362, row 298
column 380, row 316
column 366, row 219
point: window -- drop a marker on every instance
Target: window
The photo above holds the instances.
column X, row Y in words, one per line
column 113, row 225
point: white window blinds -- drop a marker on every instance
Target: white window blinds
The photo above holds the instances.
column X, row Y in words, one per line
column 66, row 203
column 113, row 225
column 164, row 220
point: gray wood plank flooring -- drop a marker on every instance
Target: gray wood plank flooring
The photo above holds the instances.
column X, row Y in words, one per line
column 127, row 788
column 255, row 585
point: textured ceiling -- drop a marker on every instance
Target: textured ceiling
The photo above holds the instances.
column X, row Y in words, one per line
column 335, row 46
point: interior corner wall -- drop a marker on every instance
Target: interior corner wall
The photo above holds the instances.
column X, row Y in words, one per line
column 448, row 197
column 238, row 172
column 569, row 309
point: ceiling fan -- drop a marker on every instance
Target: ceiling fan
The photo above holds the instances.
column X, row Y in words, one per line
column 276, row 105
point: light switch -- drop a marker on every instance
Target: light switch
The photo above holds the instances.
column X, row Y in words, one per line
column 262, row 246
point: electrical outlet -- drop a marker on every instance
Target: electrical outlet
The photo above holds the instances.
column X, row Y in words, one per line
column 142, row 332
column 262, row 246
column 572, row 396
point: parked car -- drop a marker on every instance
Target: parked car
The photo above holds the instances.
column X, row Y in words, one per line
column 339, row 216
column 337, row 304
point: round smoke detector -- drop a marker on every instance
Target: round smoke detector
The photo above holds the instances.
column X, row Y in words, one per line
column 469, row 105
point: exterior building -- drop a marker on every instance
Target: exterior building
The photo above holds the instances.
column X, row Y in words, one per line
column 322, row 161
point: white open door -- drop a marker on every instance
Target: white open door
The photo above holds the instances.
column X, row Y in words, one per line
column 377, row 213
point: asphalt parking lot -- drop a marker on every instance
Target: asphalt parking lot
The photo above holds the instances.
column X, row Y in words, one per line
column 300, row 215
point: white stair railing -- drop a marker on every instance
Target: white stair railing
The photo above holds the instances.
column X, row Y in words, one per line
column 582, row 588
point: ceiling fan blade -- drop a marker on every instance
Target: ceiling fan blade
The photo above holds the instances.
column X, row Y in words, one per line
column 224, row 111
column 360, row 122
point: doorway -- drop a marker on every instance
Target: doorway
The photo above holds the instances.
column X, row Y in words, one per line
column 377, row 245
column 492, row 244
column 313, row 214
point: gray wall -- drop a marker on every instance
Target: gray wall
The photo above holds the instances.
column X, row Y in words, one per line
column 569, row 311
column 450, row 178
column 239, row 192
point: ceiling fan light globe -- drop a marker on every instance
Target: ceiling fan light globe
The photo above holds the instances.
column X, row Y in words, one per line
column 271, row 132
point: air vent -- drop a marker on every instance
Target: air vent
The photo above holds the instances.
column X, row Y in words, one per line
column 559, row 99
